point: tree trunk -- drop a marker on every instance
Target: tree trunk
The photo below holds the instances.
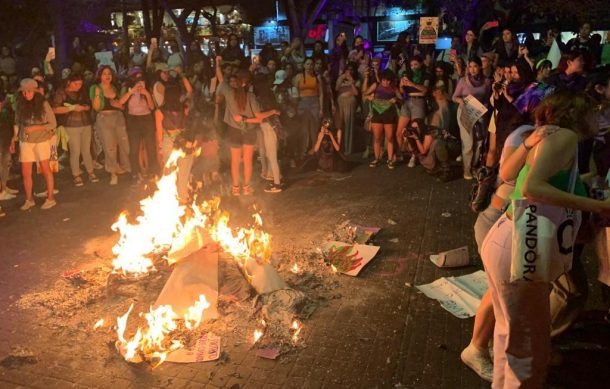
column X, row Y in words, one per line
column 146, row 17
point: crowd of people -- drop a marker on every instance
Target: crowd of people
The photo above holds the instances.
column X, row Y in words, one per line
column 127, row 113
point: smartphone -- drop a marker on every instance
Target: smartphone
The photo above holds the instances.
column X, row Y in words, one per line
column 51, row 52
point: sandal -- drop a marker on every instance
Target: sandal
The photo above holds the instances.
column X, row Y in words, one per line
column 78, row 181
column 247, row 190
column 93, row 177
column 235, row 191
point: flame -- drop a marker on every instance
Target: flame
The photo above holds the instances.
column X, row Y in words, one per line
column 263, row 322
column 296, row 326
column 193, row 315
column 295, row 269
column 153, row 230
column 334, row 269
column 98, row 324
column 154, row 341
column 257, row 335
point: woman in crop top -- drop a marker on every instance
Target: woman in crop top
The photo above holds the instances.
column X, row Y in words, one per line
column 311, row 103
column 521, row 309
column 140, row 123
column 383, row 97
column 110, row 123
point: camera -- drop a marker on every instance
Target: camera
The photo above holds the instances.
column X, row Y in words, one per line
column 326, row 123
column 498, row 86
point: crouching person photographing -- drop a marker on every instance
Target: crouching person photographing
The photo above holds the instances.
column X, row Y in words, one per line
column 430, row 148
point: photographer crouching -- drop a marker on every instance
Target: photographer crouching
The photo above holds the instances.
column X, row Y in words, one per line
column 431, row 147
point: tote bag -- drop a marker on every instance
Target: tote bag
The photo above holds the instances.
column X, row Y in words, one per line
column 543, row 238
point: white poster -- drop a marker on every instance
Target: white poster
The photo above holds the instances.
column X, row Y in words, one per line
column 471, row 111
column 460, row 296
column 428, row 30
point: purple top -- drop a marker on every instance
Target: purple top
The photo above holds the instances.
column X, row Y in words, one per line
column 465, row 88
column 382, row 93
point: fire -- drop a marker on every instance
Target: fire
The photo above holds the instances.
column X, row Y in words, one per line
column 296, row 326
column 257, row 335
column 154, row 342
column 295, row 269
column 334, row 269
column 154, row 230
column 192, row 317
column 98, row 324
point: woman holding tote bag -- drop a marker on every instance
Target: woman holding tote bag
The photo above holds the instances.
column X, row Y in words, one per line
column 521, row 305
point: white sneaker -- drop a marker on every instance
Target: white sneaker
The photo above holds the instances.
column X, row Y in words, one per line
column 114, row 179
column 11, row 191
column 48, row 204
column 478, row 361
column 459, row 158
column 468, row 176
column 27, row 205
column 42, row 195
column 6, row 196
column 411, row 161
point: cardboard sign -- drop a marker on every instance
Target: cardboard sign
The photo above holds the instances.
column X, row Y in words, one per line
column 349, row 259
column 206, row 349
column 428, row 30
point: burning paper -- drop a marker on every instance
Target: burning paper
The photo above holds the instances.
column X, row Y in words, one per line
column 206, row 349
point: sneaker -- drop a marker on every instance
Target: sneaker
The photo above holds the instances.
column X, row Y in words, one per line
column 93, row 177
column 412, row 162
column 48, row 204
column 27, row 205
column 478, row 361
column 267, row 178
column 235, row 191
column 78, row 182
column 247, row 190
column 375, row 163
column 468, row 176
column 42, row 195
column 391, row 164
column 10, row 190
column 458, row 159
column 6, row 195
column 97, row 165
column 114, row 179
column 272, row 188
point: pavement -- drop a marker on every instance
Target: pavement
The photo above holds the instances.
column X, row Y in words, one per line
column 381, row 332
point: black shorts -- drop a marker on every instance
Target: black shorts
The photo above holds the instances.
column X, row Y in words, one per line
column 389, row 116
column 239, row 137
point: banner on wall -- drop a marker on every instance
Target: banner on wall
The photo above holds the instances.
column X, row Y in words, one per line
column 428, row 30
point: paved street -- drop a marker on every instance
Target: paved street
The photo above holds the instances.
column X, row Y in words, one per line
column 379, row 332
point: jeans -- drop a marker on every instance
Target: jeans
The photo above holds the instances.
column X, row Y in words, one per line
column 485, row 221
column 110, row 126
column 79, row 144
column 309, row 114
column 270, row 143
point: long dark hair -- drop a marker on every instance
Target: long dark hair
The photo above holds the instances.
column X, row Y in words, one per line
column 29, row 109
column 240, row 93
column 100, row 70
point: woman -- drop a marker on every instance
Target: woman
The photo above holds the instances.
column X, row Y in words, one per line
column 242, row 115
column 359, row 56
column 470, row 48
column 73, row 104
column 7, row 122
column 328, row 149
column 414, row 87
column 233, row 54
column 170, row 122
column 475, row 84
column 570, row 72
column 427, row 146
column 140, row 123
column 337, row 57
column 442, row 79
column 110, row 123
column 383, row 97
column 311, row 103
column 295, row 54
column 347, row 88
column 318, row 52
column 521, row 309
column 34, row 126
column 507, row 48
